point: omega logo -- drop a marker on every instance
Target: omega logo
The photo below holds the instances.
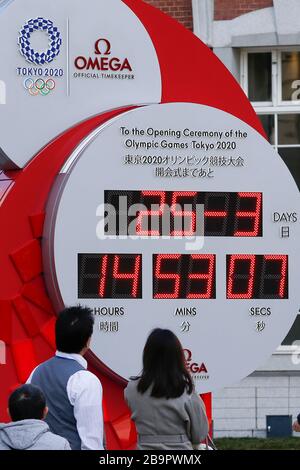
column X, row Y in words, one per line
column 104, row 61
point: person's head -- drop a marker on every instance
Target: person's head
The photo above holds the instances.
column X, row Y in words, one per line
column 164, row 366
column 27, row 402
column 73, row 330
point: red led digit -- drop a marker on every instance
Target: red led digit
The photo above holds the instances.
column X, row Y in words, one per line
column 183, row 214
column 234, row 276
column 103, row 276
column 208, row 277
column 255, row 215
column 133, row 276
column 167, row 276
column 283, row 271
column 150, row 213
column 215, row 213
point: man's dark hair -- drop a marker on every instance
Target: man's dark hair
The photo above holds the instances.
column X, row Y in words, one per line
column 74, row 327
column 26, row 402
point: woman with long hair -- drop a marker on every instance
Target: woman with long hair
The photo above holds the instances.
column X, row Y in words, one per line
column 168, row 414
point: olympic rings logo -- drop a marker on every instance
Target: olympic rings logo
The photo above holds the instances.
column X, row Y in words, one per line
column 55, row 41
column 39, row 86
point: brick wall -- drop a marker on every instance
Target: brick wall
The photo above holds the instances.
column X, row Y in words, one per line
column 181, row 10
column 228, row 9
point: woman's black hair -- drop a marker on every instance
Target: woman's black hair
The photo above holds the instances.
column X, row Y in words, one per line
column 164, row 366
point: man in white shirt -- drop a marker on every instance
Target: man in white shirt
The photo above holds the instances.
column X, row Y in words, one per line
column 73, row 394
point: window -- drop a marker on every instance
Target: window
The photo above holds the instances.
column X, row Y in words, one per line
column 288, row 129
column 283, row 132
column 260, row 77
column 268, row 122
column 290, row 73
column 271, row 79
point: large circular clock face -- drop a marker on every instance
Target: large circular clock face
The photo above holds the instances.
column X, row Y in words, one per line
column 177, row 216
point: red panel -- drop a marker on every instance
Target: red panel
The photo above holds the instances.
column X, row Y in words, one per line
column 24, row 358
column 28, row 260
column 48, row 332
column 112, row 440
column 9, row 381
column 125, row 431
column 43, row 347
column 25, row 315
column 207, row 398
column 35, row 292
column 105, row 411
column 37, row 224
column 6, row 313
column 14, row 387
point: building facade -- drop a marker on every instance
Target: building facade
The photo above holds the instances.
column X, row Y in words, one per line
column 259, row 42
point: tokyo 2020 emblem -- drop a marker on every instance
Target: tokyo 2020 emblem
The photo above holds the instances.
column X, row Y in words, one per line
column 55, row 41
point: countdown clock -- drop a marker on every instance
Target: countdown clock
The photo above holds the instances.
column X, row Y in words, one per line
column 165, row 217
column 225, row 282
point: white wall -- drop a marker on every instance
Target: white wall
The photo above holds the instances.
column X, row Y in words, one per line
column 241, row 410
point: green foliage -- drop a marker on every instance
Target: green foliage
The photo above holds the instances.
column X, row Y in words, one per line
column 291, row 443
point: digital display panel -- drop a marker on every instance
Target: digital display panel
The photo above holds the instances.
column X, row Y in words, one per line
column 257, row 276
column 109, row 276
column 178, row 276
column 174, row 213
